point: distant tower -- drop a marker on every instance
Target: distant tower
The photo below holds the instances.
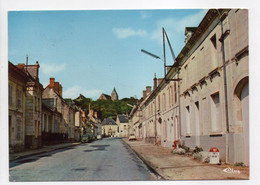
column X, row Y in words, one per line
column 114, row 95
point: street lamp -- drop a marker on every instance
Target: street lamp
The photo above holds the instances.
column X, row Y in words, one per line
column 175, row 64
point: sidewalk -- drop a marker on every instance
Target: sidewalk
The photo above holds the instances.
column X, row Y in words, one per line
column 44, row 149
column 179, row 167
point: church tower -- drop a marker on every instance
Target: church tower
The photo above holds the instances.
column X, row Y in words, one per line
column 114, row 95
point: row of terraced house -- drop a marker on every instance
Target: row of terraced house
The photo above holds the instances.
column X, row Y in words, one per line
column 40, row 116
column 204, row 98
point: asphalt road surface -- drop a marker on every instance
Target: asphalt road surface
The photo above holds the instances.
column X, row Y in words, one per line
column 102, row 160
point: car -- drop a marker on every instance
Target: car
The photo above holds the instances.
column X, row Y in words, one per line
column 99, row 137
column 132, row 137
column 85, row 138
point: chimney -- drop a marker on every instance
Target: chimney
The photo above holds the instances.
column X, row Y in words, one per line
column 154, row 82
column 144, row 93
column 52, row 80
column 148, row 90
column 60, row 90
column 21, row 66
column 160, row 80
column 95, row 114
column 56, row 87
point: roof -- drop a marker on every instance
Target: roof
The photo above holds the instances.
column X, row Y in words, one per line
column 123, row 119
column 106, row 96
column 108, row 121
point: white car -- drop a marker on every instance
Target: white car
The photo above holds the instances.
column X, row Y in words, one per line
column 132, row 137
column 99, row 137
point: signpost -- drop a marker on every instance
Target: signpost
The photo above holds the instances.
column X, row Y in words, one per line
column 214, row 155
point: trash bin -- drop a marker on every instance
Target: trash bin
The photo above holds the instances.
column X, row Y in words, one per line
column 214, row 155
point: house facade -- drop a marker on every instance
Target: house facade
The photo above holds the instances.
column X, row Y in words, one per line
column 17, row 80
column 204, row 98
column 33, row 106
column 123, row 125
column 214, row 99
column 109, row 127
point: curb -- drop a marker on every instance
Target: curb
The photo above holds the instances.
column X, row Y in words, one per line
column 153, row 168
column 40, row 152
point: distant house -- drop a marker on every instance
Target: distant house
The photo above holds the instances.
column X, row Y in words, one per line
column 66, row 108
column 104, row 97
column 109, row 127
column 123, row 124
column 114, row 96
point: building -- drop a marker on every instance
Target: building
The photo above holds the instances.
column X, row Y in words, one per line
column 114, row 95
column 67, row 109
column 123, row 125
column 51, row 122
column 203, row 100
column 33, row 106
column 17, row 80
column 109, row 128
column 214, row 99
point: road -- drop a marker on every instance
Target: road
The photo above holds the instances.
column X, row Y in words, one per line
column 102, row 160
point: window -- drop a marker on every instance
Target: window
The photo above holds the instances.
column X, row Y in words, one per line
column 188, row 120
column 171, row 96
column 10, row 96
column 175, row 93
column 35, row 103
column 19, row 128
column 19, row 98
column 164, row 102
column 213, row 40
column 35, row 129
column 215, row 112
column 159, row 103
column 39, row 104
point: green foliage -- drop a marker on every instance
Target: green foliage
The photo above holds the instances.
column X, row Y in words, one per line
column 187, row 149
column 197, row 149
column 239, row 164
column 108, row 108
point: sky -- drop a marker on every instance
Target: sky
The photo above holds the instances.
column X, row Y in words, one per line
column 94, row 51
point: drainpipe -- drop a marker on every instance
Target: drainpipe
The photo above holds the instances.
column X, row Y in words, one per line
column 223, row 35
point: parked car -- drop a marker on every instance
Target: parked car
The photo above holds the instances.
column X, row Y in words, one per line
column 132, row 137
column 85, row 138
column 99, row 137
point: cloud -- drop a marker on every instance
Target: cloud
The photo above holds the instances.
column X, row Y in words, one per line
column 51, row 68
column 175, row 26
column 123, row 33
column 74, row 91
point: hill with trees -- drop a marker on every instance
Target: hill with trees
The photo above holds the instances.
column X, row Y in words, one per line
column 107, row 108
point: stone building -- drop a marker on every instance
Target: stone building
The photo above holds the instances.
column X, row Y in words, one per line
column 114, row 95
column 109, row 128
column 214, row 90
column 207, row 104
column 51, row 122
column 33, row 106
column 54, row 91
column 17, row 80
column 123, row 125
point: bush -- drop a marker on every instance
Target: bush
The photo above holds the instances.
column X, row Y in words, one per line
column 239, row 164
column 197, row 150
column 179, row 151
column 187, row 149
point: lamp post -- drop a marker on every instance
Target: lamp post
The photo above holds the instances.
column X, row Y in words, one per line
column 175, row 64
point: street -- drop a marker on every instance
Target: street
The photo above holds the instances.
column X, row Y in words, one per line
column 102, row 160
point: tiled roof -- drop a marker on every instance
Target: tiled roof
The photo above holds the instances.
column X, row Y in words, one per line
column 123, row 119
column 108, row 121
